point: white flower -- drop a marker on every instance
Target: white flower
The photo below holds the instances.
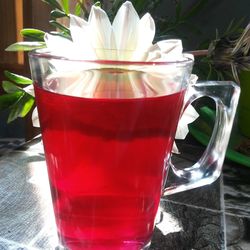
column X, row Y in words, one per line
column 189, row 115
column 128, row 38
column 30, row 90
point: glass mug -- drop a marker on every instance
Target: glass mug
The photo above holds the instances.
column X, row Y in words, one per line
column 108, row 128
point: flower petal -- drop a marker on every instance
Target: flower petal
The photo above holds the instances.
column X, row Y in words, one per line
column 126, row 27
column 30, row 90
column 173, row 46
column 193, row 79
column 101, row 28
column 146, row 35
column 80, row 33
column 35, row 119
column 187, row 117
column 167, row 50
column 57, row 44
column 147, row 30
column 78, row 29
column 83, row 84
column 175, row 150
column 101, row 32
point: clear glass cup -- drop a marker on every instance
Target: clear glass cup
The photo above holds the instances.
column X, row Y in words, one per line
column 108, row 128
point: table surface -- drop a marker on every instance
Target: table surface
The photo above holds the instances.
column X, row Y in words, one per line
column 212, row 217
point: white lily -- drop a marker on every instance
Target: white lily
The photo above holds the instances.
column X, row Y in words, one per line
column 128, row 38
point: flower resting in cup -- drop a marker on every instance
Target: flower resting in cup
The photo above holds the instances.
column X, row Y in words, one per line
column 128, row 38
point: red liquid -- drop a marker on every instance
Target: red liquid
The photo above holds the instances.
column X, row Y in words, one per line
column 105, row 161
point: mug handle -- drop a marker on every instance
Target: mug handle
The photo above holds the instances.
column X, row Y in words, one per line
column 208, row 168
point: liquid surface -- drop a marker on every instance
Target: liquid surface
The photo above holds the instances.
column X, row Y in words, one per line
column 105, row 161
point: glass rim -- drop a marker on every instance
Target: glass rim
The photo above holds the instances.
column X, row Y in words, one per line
column 43, row 54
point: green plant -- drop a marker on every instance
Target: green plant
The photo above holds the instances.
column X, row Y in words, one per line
column 227, row 54
column 17, row 99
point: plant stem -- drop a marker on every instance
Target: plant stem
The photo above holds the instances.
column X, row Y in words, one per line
column 198, row 53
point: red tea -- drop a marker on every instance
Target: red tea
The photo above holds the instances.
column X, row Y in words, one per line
column 106, row 161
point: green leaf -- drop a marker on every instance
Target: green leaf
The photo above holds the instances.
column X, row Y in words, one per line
column 139, row 5
column 178, row 10
column 197, row 6
column 25, row 46
column 234, row 27
column 21, row 107
column 17, row 78
column 26, row 102
column 10, row 87
column 7, row 100
column 153, row 4
column 116, row 5
column 59, row 26
column 84, row 5
column 53, row 3
column 34, row 34
column 193, row 28
column 57, row 14
column 78, row 9
column 55, row 33
column 98, row 4
column 65, row 5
